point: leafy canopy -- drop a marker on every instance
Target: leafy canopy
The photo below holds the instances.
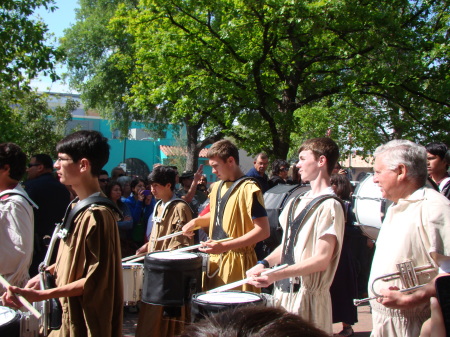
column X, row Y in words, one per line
column 24, row 52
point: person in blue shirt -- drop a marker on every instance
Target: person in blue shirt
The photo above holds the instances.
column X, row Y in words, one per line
column 258, row 171
column 141, row 206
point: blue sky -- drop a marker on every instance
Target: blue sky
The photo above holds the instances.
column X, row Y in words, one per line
column 57, row 21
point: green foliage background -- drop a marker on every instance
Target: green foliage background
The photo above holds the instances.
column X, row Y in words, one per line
column 268, row 73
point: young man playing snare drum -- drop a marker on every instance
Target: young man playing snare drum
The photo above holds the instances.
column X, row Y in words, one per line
column 169, row 216
column 242, row 217
column 313, row 248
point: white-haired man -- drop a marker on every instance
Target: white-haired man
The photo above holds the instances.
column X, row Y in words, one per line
column 416, row 228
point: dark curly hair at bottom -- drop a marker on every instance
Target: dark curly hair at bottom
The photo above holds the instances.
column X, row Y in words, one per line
column 253, row 321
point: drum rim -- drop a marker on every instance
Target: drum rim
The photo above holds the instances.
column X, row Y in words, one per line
column 132, row 266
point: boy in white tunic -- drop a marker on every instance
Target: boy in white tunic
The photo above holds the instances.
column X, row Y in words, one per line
column 317, row 245
column 16, row 217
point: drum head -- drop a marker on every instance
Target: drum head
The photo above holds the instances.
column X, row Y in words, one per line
column 227, row 297
column 172, row 255
column 6, row 315
column 369, row 207
column 204, row 304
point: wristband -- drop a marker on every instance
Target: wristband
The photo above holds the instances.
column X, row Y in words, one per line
column 265, row 263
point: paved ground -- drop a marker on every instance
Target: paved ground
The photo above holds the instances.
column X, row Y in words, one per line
column 364, row 325
column 129, row 323
column 362, row 328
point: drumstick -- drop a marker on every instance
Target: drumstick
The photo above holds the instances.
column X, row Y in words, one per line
column 140, row 258
column 174, row 234
column 22, row 299
column 244, row 281
column 197, row 246
column 179, row 250
column 133, row 257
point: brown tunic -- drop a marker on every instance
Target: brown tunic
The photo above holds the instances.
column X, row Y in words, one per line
column 92, row 251
column 177, row 215
column 152, row 322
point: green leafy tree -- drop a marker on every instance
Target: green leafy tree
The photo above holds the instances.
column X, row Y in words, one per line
column 385, row 62
column 24, row 52
column 25, row 117
column 33, row 125
column 104, row 79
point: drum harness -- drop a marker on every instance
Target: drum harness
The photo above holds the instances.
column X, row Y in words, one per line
column 158, row 219
column 52, row 309
column 218, row 233
column 292, row 284
column 17, row 192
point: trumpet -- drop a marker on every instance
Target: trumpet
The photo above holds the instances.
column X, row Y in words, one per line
column 407, row 274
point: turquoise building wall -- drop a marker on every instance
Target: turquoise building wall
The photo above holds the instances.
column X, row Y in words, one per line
column 146, row 150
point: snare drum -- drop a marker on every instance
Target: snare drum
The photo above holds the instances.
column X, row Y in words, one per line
column 9, row 322
column 171, row 278
column 369, row 207
column 133, row 275
column 204, row 304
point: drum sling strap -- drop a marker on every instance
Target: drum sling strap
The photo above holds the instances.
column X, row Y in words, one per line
column 15, row 192
column 295, row 225
column 218, row 233
column 158, row 219
column 54, row 319
column 71, row 213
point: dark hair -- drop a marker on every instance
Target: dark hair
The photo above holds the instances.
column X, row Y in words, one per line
column 44, row 159
column 11, row 154
column 276, row 165
column 223, row 149
column 343, row 187
column 322, row 146
column 163, row 175
column 103, row 173
column 86, row 144
column 109, row 187
column 136, row 181
column 438, row 149
column 253, row 321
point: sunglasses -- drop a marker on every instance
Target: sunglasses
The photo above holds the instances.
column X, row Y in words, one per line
column 286, row 169
column 31, row 165
column 103, row 180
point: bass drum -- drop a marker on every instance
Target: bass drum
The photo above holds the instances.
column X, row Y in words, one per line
column 369, row 207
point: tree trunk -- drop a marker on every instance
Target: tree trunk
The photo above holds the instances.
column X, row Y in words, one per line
column 192, row 149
